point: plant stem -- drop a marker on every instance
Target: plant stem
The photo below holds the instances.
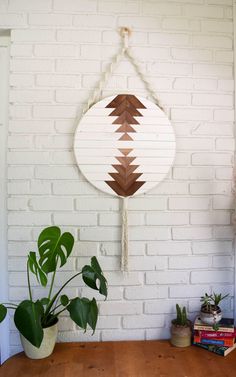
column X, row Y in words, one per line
column 47, row 311
column 55, row 308
column 28, row 279
column 56, row 314
column 52, row 282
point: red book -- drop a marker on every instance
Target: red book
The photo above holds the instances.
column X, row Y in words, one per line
column 216, row 334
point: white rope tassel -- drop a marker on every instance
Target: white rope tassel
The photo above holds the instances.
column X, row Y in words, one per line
column 124, row 237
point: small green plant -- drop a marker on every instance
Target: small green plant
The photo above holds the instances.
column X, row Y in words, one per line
column 181, row 319
column 211, row 302
column 32, row 316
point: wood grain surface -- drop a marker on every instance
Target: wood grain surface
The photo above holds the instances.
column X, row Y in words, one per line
column 122, row 359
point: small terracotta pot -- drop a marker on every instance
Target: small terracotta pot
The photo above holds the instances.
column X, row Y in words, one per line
column 181, row 335
column 46, row 347
column 210, row 316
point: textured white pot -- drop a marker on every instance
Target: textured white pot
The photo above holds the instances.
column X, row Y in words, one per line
column 47, row 345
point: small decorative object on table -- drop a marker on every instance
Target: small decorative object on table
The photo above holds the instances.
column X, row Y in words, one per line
column 210, row 312
column 181, row 328
column 37, row 320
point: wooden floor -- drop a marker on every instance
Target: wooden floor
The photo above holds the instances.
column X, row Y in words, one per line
column 122, row 359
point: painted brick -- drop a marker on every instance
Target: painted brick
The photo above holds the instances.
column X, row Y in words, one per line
column 168, row 248
column 147, row 263
column 120, row 308
column 225, row 144
column 55, row 50
column 34, row 65
column 224, row 173
column 100, row 21
column 189, row 203
column 120, row 335
column 28, row 218
column 225, row 276
column 98, row 204
column 213, row 129
column 144, row 321
column 146, row 204
column 42, row 19
column 212, row 247
column 184, row 291
column 122, row 6
column 115, row 219
column 31, row 96
column 153, row 218
column 218, row 70
column 223, row 115
column 12, row 20
column 169, row 39
column 224, row 56
column 167, row 277
column 22, row 80
column 18, row 187
column 34, row 35
column 75, row 6
column 212, row 159
column 81, row 36
column 56, row 80
column 194, row 173
column 189, row 262
column 208, row 218
column 145, row 293
column 210, row 188
column 192, row 114
column 161, row 8
column 223, row 202
column 192, row 233
column 223, row 232
column 28, row 5
column 191, row 54
column 223, row 261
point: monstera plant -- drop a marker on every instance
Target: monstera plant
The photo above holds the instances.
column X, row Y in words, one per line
column 31, row 316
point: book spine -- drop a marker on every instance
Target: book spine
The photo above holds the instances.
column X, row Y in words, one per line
column 219, row 350
column 216, row 342
column 208, row 328
column 216, row 334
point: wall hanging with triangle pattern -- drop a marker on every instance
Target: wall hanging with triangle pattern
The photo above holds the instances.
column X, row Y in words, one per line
column 124, row 144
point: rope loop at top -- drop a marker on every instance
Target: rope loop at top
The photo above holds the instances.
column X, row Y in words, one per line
column 125, row 33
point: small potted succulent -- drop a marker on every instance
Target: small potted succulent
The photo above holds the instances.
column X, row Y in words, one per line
column 37, row 320
column 210, row 312
column 181, row 328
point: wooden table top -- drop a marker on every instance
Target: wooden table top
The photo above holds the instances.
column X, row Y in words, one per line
column 122, row 359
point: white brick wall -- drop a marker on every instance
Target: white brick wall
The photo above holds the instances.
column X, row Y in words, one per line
column 181, row 236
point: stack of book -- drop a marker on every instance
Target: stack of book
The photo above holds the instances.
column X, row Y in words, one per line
column 220, row 341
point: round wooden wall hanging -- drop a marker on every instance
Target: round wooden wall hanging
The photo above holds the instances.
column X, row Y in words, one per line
column 124, row 145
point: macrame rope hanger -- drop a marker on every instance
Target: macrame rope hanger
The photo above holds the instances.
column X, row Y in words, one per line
column 125, row 50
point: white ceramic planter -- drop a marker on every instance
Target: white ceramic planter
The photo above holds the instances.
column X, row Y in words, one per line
column 47, row 345
column 211, row 318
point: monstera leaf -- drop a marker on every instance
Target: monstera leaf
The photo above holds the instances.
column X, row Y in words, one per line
column 36, row 270
column 27, row 319
column 83, row 311
column 93, row 274
column 54, row 247
column 3, row 312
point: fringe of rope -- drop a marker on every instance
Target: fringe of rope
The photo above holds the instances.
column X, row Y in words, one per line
column 124, row 236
